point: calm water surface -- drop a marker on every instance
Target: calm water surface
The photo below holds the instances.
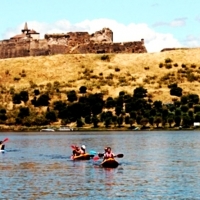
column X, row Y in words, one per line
column 156, row 165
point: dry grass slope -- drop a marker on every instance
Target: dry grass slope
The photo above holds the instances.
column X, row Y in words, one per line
column 122, row 72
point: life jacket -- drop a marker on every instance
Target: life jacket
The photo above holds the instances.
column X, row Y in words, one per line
column 82, row 151
column 109, row 155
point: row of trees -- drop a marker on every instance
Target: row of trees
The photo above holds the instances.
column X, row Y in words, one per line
column 83, row 108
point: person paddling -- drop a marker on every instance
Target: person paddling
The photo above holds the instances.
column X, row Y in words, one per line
column 79, row 151
column 2, row 146
column 108, row 153
column 83, row 148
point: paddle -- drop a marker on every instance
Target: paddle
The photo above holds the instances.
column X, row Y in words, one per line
column 119, row 155
column 93, row 152
column 5, row 140
column 101, row 155
column 73, row 147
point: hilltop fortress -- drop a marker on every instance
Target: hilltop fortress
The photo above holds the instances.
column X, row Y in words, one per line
column 28, row 43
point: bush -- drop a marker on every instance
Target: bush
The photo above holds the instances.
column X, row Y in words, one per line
column 191, row 77
column 36, row 92
column 183, row 66
column 173, row 85
column 56, row 84
column 105, row 57
column 117, row 69
column 82, row 89
column 23, row 112
column 168, row 60
column 43, row 100
column 175, row 65
column 23, row 75
column 51, row 116
column 71, row 95
column 7, row 72
column 176, row 91
column 193, row 66
column 16, row 98
column 168, row 66
column 24, row 96
column 17, row 78
column 161, row 65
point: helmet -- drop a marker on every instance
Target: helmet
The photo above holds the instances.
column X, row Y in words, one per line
column 83, row 147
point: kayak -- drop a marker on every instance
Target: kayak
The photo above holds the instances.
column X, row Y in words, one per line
column 85, row 156
column 110, row 163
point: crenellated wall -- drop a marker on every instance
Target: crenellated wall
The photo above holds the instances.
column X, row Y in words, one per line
column 72, row 42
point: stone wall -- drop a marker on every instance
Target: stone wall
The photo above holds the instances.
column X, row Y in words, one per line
column 72, row 42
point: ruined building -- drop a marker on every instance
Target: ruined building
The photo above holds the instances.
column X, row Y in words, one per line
column 28, row 43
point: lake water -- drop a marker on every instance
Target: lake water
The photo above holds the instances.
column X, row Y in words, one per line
column 156, row 165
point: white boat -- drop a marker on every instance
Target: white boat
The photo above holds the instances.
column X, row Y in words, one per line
column 47, row 130
column 2, row 151
column 65, row 128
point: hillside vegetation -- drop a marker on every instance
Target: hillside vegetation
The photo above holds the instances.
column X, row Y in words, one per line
column 121, row 72
column 107, row 74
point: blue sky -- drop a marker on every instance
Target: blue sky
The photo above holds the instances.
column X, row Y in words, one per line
column 162, row 23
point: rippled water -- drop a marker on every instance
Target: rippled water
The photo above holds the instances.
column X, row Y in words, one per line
column 156, row 165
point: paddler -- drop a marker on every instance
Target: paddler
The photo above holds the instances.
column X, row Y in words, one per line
column 79, row 151
column 108, row 153
column 2, row 146
column 83, row 148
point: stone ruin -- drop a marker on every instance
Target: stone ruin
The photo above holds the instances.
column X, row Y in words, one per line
column 28, row 43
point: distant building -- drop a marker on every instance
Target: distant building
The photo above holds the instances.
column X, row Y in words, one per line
column 28, row 43
column 26, row 34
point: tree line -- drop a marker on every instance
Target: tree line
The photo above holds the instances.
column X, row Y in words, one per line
column 83, row 108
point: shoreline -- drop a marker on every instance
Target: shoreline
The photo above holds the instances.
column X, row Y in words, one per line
column 13, row 129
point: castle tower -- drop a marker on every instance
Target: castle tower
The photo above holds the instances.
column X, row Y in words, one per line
column 108, row 33
column 25, row 30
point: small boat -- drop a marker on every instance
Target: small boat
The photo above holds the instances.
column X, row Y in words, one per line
column 85, row 156
column 65, row 128
column 47, row 130
column 110, row 163
column 2, row 151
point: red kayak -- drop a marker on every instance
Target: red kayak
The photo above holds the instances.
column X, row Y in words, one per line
column 110, row 163
column 85, row 156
